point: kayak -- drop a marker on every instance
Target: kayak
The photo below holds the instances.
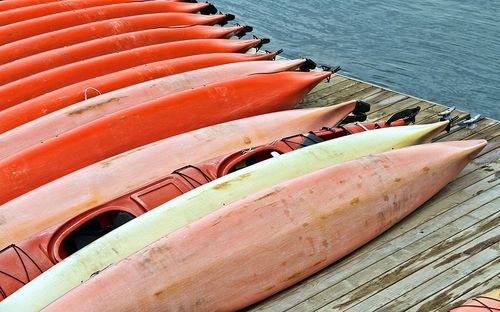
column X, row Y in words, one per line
column 37, row 63
column 45, row 24
column 113, row 177
column 15, row 4
column 30, row 87
column 43, row 9
column 78, row 34
column 52, row 101
column 155, row 224
column 63, row 239
column 63, row 120
column 258, row 246
column 484, row 303
column 146, row 123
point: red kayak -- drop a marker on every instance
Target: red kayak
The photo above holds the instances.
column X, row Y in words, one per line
column 30, row 87
column 37, row 63
column 52, row 101
column 61, row 240
column 150, row 122
column 44, row 9
column 178, row 12
column 69, row 36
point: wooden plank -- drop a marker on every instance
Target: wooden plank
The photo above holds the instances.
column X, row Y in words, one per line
column 325, row 84
column 464, row 132
column 403, row 262
column 436, row 110
column 471, row 198
column 360, row 95
column 491, row 155
column 444, row 209
column 385, row 99
column 419, row 262
column 482, row 282
column 330, row 91
column 334, row 96
column 466, row 272
column 386, row 112
column 429, row 114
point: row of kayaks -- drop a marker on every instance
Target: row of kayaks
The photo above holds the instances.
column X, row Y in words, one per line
column 148, row 163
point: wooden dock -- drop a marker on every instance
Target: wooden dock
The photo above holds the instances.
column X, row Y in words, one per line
column 439, row 256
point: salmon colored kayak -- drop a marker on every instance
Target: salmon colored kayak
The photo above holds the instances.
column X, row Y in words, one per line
column 485, row 303
column 65, row 238
column 155, row 224
column 37, row 63
column 30, row 87
column 44, row 9
column 78, row 34
column 147, row 123
column 52, row 101
column 46, row 24
column 111, row 178
column 256, row 247
column 63, row 120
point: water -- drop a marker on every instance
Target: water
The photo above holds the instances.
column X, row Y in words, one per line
column 446, row 51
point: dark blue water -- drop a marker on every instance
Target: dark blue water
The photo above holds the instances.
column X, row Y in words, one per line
column 447, row 51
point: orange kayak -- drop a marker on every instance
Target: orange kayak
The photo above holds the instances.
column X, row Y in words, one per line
column 30, row 87
column 146, row 123
column 43, row 9
column 111, row 178
column 37, row 63
column 76, row 115
column 15, row 4
column 70, row 36
column 46, row 24
column 52, row 101
column 262, row 244
column 65, row 238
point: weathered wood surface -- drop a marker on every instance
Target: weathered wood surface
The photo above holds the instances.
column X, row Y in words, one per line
column 436, row 258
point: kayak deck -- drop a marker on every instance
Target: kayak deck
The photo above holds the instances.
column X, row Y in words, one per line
column 438, row 257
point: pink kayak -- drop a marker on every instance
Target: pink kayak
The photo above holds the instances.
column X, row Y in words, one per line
column 258, row 246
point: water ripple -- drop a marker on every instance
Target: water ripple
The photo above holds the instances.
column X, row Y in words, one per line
column 447, row 51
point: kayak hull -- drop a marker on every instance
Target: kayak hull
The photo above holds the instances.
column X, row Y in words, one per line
column 251, row 249
column 43, row 9
column 179, row 15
